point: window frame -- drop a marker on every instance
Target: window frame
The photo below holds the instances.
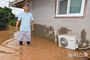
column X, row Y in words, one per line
column 81, row 14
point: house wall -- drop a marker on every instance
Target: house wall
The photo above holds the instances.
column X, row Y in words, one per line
column 47, row 26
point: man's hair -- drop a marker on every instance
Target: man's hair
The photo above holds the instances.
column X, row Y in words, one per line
column 25, row 5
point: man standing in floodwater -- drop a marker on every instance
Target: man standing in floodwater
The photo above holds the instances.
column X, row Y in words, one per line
column 26, row 19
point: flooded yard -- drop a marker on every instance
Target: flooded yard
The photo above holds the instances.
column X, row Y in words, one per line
column 40, row 49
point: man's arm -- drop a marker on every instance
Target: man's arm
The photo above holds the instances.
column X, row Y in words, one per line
column 32, row 24
column 17, row 23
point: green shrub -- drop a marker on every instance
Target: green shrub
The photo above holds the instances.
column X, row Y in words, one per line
column 6, row 16
column 13, row 22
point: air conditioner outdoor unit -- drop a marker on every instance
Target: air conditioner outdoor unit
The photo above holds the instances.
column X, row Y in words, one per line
column 68, row 41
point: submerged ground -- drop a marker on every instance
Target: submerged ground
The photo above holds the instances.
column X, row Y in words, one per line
column 6, row 34
column 40, row 49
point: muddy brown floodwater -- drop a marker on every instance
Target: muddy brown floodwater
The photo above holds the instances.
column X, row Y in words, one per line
column 40, row 49
column 6, row 34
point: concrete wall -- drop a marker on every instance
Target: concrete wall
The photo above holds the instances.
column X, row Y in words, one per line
column 44, row 14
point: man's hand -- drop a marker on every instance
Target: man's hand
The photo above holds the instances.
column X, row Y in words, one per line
column 32, row 23
column 16, row 28
column 33, row 29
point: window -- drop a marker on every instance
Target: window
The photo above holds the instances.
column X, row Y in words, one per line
column 70, row 8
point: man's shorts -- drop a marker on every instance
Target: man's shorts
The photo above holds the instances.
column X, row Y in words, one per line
column 25, row 36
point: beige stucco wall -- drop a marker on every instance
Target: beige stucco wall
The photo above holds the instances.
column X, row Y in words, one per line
column 44, row 14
